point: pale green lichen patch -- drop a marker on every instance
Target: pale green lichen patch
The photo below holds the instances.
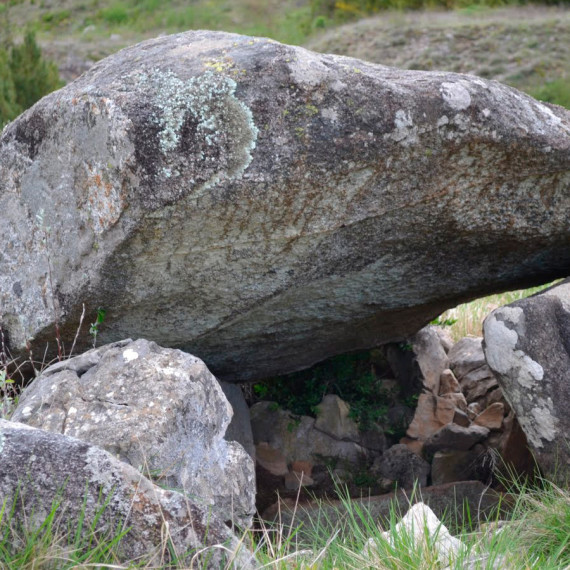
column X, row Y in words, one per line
column 219, row 121
column 526, row 391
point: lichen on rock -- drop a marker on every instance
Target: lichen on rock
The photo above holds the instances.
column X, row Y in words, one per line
column 223, row 125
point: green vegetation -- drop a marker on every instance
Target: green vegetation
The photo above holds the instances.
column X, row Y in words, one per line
column 54, row 543
column 25, row 77
column 534, row 536
column 344, row 10
column 357, row 378
column 557, row 91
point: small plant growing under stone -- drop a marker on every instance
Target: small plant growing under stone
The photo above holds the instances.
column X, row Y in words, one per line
column 94, row 328
column 9, row 395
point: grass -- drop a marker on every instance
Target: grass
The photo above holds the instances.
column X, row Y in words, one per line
column 54, row 542
column 469, row 317
column 535, row 536
column 557, row 91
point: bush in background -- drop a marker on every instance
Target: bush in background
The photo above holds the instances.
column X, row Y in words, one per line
column 25, row 77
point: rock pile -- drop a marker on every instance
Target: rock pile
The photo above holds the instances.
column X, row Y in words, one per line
column 159, row 410
column 41, row 469
column 133, row 434
column 462, row 429
column 463, row 423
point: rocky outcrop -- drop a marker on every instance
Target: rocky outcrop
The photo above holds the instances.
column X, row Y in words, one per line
column 467, row 430
column 160, row 410
column 527, row 344
column 302, row 438
column 264, row 207
column 40, row 469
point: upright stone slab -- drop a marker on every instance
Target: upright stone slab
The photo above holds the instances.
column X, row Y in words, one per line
column 264, row 207
column 527, row 345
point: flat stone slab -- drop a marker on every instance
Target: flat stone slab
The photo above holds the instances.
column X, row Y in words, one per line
column 264, row 207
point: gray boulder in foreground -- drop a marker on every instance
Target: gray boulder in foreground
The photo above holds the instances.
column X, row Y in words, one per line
column 39, row 467
column 264, row 207
column 527, row 345
column 158, row 409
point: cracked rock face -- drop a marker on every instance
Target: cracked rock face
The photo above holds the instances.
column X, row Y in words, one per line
column 39, row 468
column 265, row 207
column 160, row 410
column 527, row 345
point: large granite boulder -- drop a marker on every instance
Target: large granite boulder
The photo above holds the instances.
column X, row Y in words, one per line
column 527, row 345
column 94, row 490
column 160, row 410
column 264, row 207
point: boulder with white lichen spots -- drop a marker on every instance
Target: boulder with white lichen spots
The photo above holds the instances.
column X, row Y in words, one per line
column 527, row 345
column 92, row 490
column 158, row 409
column 264, row 207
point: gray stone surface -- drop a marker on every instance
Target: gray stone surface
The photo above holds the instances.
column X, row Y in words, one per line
column 403, row 466
column 333, row 419
column 431, row 357
column 456, row 437
column 297, row 438
column 39, row 467
column 527, row 344
column 158, row 409
column 264, row 207
column 240, row 425
column 466, row 356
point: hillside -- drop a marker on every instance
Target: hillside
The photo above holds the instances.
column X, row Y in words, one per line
column 526, row 47
column 523, row 47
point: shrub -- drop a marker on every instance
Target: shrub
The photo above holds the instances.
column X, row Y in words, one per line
column 9, row 107
column 25, row 77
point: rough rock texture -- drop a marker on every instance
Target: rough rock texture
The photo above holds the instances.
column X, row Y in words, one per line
column 298, row 439
column 477, row 381
column 265, row 207
column 527, row 344
column 240, row 425
column 271, row 459
column 158, row 409
column 453, row 436
column 430, row 356
column 333, row 419
column 39, row 467
column 403, row 466
column 450, row 466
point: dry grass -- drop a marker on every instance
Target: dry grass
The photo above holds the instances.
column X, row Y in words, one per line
column 470, row 316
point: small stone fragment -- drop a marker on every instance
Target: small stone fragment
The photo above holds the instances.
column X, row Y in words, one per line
column 271, row 459
column 461, row 418
column 333, row 419
column 492, row 417
column 402, row 465
column 453, row 436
